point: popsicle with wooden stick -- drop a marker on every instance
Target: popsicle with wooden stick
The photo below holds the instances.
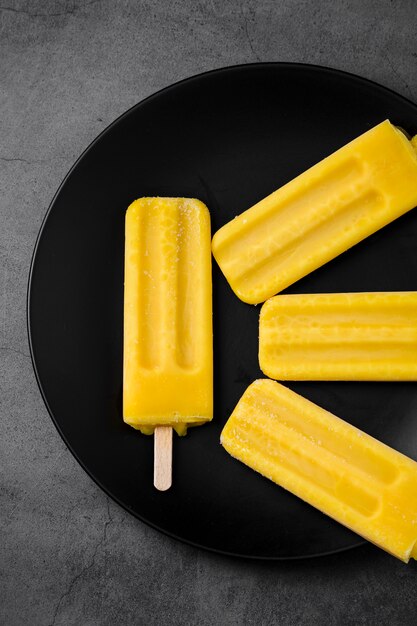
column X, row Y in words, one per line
column 168, row 359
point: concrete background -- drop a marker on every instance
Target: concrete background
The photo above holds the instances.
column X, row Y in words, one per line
column 68, row 555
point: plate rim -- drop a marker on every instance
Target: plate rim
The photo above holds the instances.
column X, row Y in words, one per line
column 195, row 77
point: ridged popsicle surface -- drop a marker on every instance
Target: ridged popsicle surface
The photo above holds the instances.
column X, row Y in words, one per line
column 335, row 467
column 312, row 219
column 168, row 314
column 339, row 336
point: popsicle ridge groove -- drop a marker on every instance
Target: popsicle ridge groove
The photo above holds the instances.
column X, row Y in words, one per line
column 375, row 467
column 290, row 459
column 288, row 252
column 187, row 286
column 294, row 207
column 150, row 259
column 335, row 308
column 347, row 355
column 328, row 335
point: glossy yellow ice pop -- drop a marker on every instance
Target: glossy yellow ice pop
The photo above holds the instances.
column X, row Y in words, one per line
column 168, row 362
column 339, row 336
column 329, row 208
column 350, row 476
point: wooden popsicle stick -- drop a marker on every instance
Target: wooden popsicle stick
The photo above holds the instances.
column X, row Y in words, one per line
column 162, row 460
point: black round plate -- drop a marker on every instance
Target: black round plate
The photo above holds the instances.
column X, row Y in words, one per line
column 228, row 137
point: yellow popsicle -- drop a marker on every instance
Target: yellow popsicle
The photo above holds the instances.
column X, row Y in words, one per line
column 329, row 208
column 339, row 336
column 168, row 362
column 340, row 470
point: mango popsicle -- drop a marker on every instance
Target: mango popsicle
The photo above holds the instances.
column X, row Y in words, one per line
column 340, row 470
column 168, row 362
column 315, row 217
column 339, row 336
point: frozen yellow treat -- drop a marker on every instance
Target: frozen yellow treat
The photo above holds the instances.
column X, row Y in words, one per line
column 329, row 208
column 339, row 336
column 350, row 476
column 168, row 359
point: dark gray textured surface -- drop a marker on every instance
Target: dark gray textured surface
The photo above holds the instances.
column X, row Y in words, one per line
column 67, row 69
